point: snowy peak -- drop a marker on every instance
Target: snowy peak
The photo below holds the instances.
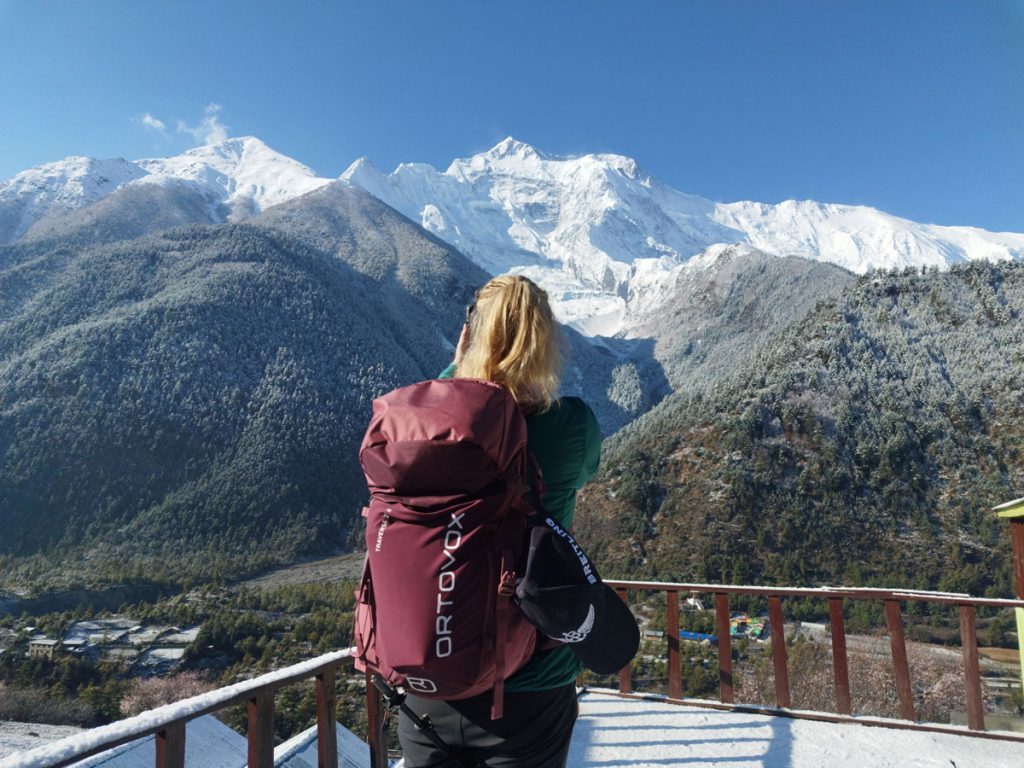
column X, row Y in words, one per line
column 361, row 168
column 508, row 156
column 510, row 149
column 70, row 179
column 243, row 173
column 233, row 157
column 365, row 175
column 601, row 234
column 584, row 227
column 511, row 155
column 238, row 177
column 860, row 238
column 597, row 230
column 58, row 188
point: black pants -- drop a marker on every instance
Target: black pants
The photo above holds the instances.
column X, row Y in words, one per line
column 534, row 733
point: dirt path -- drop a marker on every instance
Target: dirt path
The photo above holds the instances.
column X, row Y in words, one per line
column 347, row 567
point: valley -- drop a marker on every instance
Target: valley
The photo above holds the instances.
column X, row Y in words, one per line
column 189, row 350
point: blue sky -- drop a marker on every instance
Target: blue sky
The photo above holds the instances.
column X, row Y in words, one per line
column 914, row 107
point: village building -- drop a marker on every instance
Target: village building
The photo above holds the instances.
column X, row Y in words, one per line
column 154, row 649
column 41, row 646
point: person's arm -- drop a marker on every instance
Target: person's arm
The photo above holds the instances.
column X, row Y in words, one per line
column 591, row 448
column 460, row 350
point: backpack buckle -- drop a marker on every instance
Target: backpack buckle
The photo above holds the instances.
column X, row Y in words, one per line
column 507, row 585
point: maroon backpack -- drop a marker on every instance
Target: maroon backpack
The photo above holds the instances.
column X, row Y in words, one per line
column 446, row 536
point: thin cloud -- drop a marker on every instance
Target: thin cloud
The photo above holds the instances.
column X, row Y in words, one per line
column 210, row 129
column 153, row 123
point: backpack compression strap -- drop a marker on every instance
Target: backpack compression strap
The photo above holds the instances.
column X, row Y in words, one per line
column 506, row 589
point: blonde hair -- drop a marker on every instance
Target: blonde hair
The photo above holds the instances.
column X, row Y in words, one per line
column 514, row 341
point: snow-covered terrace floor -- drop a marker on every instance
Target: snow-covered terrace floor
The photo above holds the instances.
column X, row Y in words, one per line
column 634, row 733
column 613, row 731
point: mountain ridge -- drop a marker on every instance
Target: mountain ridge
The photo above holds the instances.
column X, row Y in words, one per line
column 584, row 226
column 170, row 397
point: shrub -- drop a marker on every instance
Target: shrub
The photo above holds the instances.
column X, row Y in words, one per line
column 36, row 705
column 937, row 681
column 151, row 692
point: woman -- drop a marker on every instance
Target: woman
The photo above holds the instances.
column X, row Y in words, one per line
column 511, row 338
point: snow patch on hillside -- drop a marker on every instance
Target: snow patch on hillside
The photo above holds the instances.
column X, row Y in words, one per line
column 57, row 188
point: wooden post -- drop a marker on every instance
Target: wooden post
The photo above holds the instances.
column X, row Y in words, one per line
column 675, row 682
column 170, row 746
column 972, row 672
column 326, row 719
column 900, row 665
column 725, row 692
column 625, row 678
column 840, row 665
column 375, row 733
column 779, row 653
column 261, row 731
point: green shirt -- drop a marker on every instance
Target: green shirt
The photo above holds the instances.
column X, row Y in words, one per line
column 566, row 441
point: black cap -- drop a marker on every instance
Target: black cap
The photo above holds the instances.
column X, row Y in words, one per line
column 562, row 594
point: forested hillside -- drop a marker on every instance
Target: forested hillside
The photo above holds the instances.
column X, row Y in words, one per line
column 866, row 444
column 129, row 212
column 727, row 304
column 187, row 403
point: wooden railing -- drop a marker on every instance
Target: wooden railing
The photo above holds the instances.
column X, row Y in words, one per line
column 167, row 723
column 892, row 599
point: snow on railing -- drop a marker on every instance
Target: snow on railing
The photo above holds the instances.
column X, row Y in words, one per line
column 856, row 593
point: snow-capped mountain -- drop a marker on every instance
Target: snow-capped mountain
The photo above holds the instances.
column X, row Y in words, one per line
column 245, row 174
column 607, row 239
column 860, row 239
column 238, row 178
column 601, row 234
column 589, row 229
column 59, row 188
